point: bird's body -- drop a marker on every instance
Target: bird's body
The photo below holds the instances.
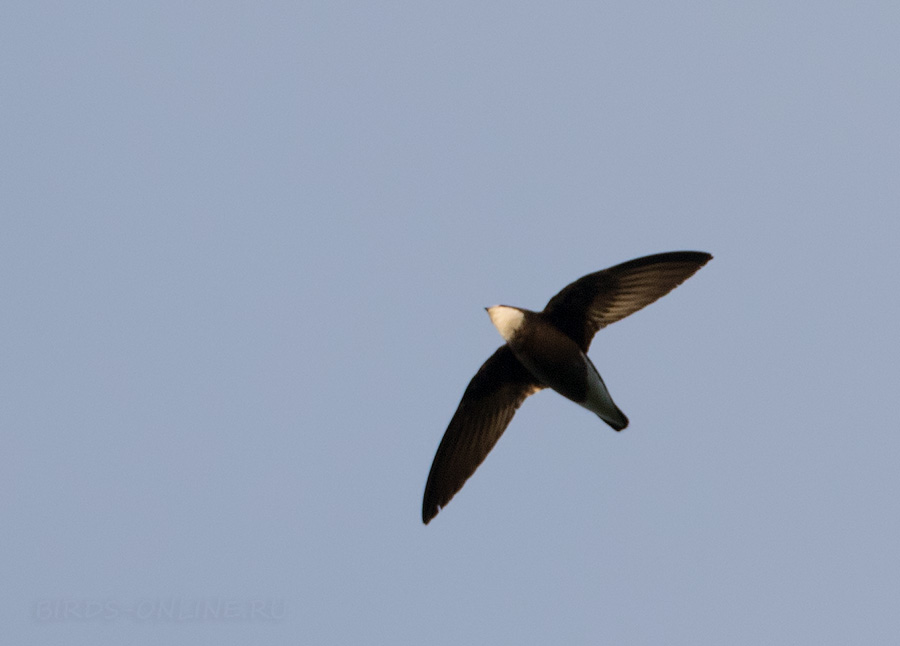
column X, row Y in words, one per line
column 556, row 361
column 548, row 349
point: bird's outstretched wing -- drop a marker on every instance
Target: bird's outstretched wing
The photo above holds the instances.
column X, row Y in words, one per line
column 489, row 403
column 596, row 300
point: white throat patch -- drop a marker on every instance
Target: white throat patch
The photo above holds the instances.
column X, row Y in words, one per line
column 506, row 319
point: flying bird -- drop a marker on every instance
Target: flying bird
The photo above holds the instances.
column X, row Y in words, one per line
column 548, row 349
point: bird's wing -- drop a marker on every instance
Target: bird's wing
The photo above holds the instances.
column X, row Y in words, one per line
column 488, row 405
column 596, row 300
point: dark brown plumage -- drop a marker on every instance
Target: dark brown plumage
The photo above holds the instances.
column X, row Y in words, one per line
column 501, row 385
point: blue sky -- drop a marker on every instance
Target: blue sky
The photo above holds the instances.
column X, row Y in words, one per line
column 244, row 253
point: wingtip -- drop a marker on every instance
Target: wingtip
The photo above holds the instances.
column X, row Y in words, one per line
column 700, row 257
column 430, row 506
column 428, row 514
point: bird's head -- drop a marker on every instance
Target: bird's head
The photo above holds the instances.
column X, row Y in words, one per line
column 508, row 320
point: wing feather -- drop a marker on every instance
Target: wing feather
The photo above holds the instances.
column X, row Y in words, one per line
column 596, row 300
column 486, row 409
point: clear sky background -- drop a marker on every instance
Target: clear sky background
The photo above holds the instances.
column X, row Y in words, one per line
column 244, row 253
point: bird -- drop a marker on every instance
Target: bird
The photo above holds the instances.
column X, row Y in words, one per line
column 548, row 349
